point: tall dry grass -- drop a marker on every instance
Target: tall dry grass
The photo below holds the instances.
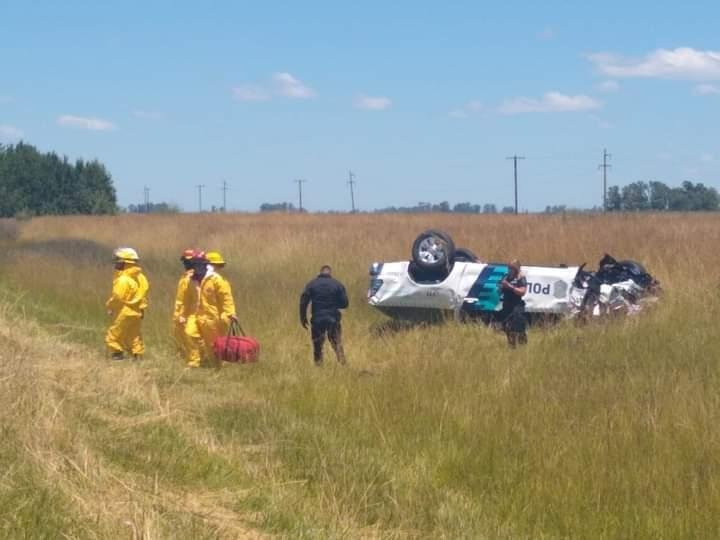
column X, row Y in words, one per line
column 608, row 430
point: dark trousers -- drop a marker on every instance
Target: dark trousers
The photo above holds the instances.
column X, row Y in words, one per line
column 333, row 330
column 515, row 325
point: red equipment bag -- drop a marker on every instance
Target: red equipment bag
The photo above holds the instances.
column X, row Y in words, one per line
column 236, row 346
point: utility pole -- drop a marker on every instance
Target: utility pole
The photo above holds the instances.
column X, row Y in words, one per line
column 515, row 160
column 605, row 166
column 351, row 183
column 146, row 192
column 300, row 183
column 200, row 188
column 224, row 189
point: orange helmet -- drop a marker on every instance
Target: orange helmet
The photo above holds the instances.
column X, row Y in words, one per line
column 199, row 256
column 187, row 255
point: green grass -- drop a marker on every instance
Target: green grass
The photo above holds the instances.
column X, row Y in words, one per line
column 162, row 451
column 608, row 430
column 29, row 507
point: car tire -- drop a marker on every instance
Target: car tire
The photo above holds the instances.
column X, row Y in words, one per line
column 465, row 255
column 433, row 251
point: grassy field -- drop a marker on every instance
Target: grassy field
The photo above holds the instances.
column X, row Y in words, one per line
column 603, row 431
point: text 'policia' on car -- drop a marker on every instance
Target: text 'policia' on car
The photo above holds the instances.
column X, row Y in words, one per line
column 443, row 280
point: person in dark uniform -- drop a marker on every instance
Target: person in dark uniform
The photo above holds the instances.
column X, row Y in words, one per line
column 512, row 316
column 328, row 297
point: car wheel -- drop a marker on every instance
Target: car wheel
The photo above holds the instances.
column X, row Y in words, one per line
column 465, row 255
column 433, row 250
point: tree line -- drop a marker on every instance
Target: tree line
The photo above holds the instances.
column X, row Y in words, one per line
column 35, row 184
column 639, row 196
column 153, row 208
column 633, row 197
column 444, row 206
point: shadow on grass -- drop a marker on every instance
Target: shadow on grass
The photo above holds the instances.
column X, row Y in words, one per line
column 77, row 250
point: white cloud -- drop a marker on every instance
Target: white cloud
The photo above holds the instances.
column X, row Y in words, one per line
column 147, row 115
column 609, row 86
column 10, row 133
column 550, row 102
column 92, row 124
column 282, row 84
column 471, row 107
column 370, row 103
column 289, row 86
column 706, row 90
column 707, row 158
column 681, row 63
column 546, row 33
column 250, row 92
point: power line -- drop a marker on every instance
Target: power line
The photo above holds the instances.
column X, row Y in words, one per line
column 351, row 183
column 224, row 189
column 515, row 159
column 200, row 188
column 300, row 183
column 605, row 166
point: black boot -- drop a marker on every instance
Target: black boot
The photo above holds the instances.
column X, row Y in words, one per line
column 117, row 355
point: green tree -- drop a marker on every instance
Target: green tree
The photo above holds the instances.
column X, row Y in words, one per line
column 700, row 196
column 614, row 199
column 635, row 196
column 41, row 184
column 659, row 196
column 466, row 208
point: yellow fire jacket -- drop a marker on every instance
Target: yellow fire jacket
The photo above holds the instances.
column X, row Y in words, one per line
column 184, row 306
column 129, row 292
column 216, row 301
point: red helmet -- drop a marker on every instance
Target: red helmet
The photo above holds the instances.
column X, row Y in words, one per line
column 187, row 255
column 199, row 256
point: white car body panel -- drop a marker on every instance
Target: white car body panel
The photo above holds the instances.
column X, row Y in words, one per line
column 399, row 290
column 473, row 285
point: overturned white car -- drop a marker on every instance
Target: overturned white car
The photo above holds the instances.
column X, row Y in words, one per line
column 441, row 280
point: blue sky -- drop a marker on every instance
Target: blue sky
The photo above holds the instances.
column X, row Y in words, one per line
column 422, row 100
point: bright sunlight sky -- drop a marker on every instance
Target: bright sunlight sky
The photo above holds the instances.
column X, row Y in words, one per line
column 422, row 100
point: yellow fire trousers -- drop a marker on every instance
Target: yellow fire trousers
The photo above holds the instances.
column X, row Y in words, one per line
column 200, row 335
column 180, row 337
column 123, row 335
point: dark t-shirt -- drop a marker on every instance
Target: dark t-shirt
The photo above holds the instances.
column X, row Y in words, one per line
column 509, row 298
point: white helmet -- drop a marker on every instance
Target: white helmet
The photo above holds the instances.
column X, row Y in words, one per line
column 126, row 254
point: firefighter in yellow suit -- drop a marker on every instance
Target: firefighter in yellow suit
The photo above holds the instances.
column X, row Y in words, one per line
column 215, row 308
column 183, row 302
column 126, row 306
